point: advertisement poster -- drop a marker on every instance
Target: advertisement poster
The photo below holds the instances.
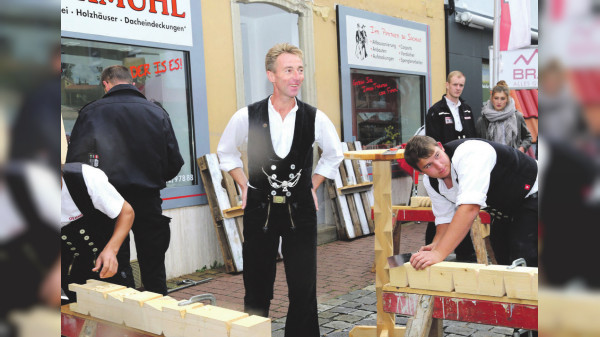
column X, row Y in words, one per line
column 519, row 68
column 382, row 45
column 147, row 20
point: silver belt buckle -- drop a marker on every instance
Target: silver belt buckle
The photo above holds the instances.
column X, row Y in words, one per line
column 278, row 199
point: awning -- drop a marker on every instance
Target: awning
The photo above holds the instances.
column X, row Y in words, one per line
column 526, row 101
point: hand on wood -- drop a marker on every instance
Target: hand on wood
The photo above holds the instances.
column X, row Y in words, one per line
column 108, row 261
column 424, row 259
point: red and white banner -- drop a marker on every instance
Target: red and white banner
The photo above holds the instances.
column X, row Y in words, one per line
column 515, row 25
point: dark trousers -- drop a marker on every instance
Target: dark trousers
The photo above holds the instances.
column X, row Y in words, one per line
column 464, row 251
column 152, row 235
column 517, row 236
column 299, row 248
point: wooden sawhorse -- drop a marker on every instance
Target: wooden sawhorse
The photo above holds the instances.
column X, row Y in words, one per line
column 429, row 308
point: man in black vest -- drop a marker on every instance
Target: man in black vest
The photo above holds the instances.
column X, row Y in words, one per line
column 449, row 119
column 466, row 175
column 132, row 140
column 279, row 197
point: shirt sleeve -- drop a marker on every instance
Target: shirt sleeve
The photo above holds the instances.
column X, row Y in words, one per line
column 104, row 196
column 45, row 192
column 442, row 208
column 327, row 138
column 473, row 161
column 233, row 137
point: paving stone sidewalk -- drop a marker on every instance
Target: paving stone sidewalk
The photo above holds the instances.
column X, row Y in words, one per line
column 345, row 288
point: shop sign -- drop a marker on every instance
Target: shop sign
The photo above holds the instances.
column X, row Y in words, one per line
column 519, row 68
column 162, row 21
column 383, row 45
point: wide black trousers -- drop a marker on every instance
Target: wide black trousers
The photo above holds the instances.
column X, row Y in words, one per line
column 152, row 236
column 517, row 236
column 299, row 248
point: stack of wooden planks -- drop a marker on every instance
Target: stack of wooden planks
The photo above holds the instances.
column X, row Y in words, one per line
column 470, row 278
column 223, row 195
column 351, row 193
column 159, row 314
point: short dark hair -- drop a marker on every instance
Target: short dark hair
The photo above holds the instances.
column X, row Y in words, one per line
column 417, row 148
column 116, row 73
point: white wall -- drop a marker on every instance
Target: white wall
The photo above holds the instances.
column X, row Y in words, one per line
column 194, row 242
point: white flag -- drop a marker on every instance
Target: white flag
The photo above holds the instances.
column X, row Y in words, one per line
column 515, row 25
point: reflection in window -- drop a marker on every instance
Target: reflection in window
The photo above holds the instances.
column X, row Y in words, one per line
column 387, row 108
column 160, row 74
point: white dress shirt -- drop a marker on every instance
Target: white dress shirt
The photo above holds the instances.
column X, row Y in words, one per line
column 282, row 135
column 472, row 165
column 454, row 110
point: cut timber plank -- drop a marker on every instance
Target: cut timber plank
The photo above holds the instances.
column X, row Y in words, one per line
column 465, row 276
column 519, row 282
column 174, row 318
column 398, row 277
column 210, row 321
column 132, row 308
column 420, row 324
column 336, row 208
column 90, row 293
column 440, row 278
column 418, row 279
column 360, row 209
column 156, row 319
column 112, row 308
column 374, row 155
column 351, row 203
column 364, row 173
column 491, row 281
column 345, row 218
column 365, row 196
column 252, row 326
column 232, row 191
column 357, row 188
column 371, row 331
column 233, row 212
column 227, row 229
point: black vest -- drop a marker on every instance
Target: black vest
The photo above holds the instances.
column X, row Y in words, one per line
column 263, row 161
column 510, row 180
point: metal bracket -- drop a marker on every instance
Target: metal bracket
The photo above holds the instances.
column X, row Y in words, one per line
column 200, row 298
column 518, row 262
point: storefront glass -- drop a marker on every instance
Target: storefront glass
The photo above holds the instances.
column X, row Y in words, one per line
column 387, row 108
column 160, row 74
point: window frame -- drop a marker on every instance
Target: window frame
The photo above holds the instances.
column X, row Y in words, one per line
column 345, row 68
column 176, row 197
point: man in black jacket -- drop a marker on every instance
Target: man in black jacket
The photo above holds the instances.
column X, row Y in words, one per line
column 131, row 139
column 450, row 119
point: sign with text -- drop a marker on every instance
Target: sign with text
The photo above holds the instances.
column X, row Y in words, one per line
column 382, row 45
column 162, row 21
column 519, row 68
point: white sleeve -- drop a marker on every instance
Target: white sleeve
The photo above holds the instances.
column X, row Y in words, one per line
column 328, row 140
column 104, row 196
column 45, row 192
column 443, row 209
column 233, row 137
column 473, row 161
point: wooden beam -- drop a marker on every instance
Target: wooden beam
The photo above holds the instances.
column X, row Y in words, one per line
column 361, row 187
column 420, row 324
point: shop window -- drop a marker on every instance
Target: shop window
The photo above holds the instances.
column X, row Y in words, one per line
column 160, row 74
column 387, row 108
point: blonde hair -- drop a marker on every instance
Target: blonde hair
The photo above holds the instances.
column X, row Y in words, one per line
column 454, row 73
column 278, row 49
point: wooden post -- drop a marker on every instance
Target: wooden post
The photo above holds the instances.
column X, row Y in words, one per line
column 478, row 242
column 382, row 183
column 420, row 324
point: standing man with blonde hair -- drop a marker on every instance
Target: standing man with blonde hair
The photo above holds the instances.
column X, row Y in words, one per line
column 450, row 119
column 279, row 197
